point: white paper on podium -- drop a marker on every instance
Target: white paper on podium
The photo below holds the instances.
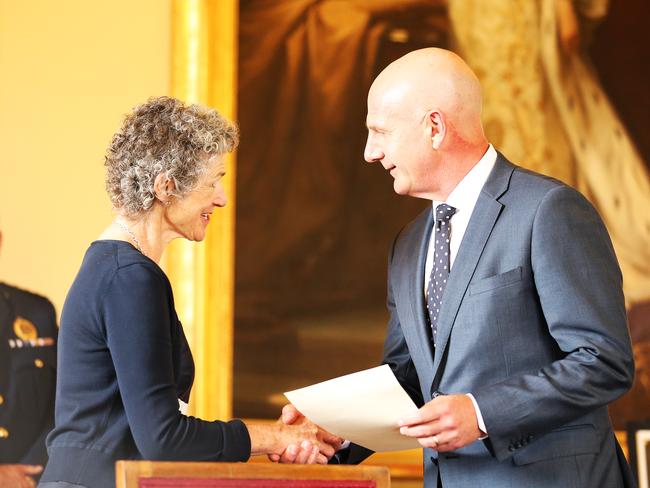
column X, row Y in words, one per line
column 362, row 407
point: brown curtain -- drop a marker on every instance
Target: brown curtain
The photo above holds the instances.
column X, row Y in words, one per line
column 314, row 222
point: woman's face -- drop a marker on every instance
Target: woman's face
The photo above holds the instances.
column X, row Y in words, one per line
column 190, row 215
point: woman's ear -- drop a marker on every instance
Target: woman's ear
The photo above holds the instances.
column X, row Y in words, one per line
column 438, row 129
column 163, row 188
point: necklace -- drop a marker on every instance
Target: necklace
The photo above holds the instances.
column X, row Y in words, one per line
column 126, row 229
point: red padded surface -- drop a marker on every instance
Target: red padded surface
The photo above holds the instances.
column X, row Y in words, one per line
column 250, row 483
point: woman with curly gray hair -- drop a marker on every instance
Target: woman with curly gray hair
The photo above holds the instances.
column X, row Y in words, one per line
column 124, row 362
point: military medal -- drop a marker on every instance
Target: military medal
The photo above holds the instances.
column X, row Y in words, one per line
column 24, row 329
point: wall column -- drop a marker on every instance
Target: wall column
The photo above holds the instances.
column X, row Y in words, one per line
column 204, row 70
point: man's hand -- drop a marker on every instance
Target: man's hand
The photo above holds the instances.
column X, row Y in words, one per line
column 446, row 423
column 306, row 453
column 18, row 475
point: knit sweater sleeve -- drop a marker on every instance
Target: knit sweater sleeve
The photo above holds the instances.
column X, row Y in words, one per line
column 137, row 316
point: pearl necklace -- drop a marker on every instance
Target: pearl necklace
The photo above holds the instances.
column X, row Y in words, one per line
column 126, row 229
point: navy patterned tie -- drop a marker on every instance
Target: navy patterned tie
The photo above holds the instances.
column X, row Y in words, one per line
column 440, row 269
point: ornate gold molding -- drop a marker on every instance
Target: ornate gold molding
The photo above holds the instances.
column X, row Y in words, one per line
column 204, row 70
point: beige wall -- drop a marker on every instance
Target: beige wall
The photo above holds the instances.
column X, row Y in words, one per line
column 69, row 70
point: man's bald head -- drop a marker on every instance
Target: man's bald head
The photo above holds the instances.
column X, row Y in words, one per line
column 432, row 79
column 424, row 122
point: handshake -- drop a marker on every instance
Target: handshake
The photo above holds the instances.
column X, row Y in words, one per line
column 446, row 423
column 293, row 439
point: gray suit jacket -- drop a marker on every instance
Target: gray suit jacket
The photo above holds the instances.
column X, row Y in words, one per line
column 532, row 323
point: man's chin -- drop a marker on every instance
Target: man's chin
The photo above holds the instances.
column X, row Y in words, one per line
column 400, row 188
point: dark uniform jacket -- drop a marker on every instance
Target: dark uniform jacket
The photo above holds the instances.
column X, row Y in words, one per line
column 27, row 375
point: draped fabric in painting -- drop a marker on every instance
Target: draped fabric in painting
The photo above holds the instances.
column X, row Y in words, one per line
column 314, row 221
column 546, row 110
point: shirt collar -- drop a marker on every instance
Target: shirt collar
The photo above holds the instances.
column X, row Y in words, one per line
column 467, row 191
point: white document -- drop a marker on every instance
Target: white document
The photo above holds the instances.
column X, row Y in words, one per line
column 362, row 407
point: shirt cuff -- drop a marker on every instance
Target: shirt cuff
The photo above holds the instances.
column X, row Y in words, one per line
column 479, row 417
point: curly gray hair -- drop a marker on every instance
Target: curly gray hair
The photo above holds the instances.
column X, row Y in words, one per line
column 166, row 136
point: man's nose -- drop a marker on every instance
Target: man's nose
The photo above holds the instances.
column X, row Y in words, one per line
column 372, row 153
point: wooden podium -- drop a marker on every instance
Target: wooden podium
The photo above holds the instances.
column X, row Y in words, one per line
column 159, row 474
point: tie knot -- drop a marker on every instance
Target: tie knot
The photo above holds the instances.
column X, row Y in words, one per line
column 444, row 212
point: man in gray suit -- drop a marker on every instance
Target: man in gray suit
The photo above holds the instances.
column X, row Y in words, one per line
column 507, row 318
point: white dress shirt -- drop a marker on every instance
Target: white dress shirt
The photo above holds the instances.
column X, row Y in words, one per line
column 463, row 199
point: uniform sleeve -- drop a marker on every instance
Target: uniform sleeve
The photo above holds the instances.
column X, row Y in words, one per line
column 137, row 315
column 37, row 453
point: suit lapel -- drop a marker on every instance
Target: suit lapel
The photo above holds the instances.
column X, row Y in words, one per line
column 416, row 287
column 409, row 297
column 478, row 231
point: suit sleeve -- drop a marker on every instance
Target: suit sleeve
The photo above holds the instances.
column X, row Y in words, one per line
column 579, row 286
column 396, row 352
column 138, row 319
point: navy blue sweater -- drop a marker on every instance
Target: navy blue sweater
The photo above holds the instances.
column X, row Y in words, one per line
column 123, row 364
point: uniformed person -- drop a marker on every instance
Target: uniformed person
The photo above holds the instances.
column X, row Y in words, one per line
column 27, row 383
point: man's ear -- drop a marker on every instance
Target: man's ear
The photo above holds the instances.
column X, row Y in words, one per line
column 163, row 187
column 438, row 128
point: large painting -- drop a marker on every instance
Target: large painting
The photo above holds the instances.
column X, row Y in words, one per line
column 314, row 222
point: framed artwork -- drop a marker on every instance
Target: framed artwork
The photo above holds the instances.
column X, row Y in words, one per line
column 638, row 440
